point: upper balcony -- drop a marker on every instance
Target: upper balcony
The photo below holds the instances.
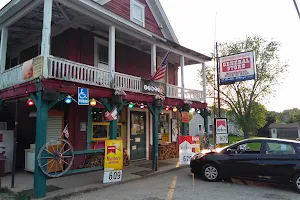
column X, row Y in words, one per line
column 88, row 45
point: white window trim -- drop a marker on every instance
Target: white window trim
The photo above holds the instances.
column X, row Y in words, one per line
column 96, row 42
column 138, row 4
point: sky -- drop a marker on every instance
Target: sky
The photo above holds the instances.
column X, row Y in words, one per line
column 194, row 24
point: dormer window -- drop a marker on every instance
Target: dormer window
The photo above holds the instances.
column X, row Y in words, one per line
column 137, row 12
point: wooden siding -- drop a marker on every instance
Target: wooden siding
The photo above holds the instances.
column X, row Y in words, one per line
column 122, row 8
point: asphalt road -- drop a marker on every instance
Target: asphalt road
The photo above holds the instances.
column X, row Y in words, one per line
column 179, row 185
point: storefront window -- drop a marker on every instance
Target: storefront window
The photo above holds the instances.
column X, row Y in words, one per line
column 163, row 125
column 100, row 125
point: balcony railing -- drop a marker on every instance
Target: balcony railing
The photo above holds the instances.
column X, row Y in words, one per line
column 67, row 70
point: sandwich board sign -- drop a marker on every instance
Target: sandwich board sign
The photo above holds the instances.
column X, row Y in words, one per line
column 188, row 147
column 221, row 130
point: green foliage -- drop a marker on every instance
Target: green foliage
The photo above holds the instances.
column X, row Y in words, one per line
column 245, row 99
column 295, row 116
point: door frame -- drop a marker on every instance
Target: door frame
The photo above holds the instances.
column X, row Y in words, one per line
column 147, row 129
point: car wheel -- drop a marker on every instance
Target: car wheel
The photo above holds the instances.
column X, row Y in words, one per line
column 296, row 182
column 210, row 172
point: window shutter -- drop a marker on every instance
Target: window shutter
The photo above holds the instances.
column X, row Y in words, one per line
column 54, row 127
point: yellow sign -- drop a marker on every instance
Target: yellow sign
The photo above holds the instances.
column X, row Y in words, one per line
column 113, row 155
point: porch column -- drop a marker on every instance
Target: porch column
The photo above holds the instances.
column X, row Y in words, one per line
column 46, row 35
column 153, row 59
column 111, row 53
column 182, row 75
column 155, row 110
column 3, row 48
column 39, row 184
column 1, row 105
column 204, row 81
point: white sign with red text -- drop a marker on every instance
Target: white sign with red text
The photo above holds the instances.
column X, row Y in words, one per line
column 237, row 67
column 221, row 131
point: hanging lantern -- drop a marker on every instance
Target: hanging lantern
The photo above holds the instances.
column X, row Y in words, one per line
column 30, row 102
column 192, row 110
column 93, row 102
column 199, row 111
column 175, row 109
column 167, row 108
column 68, row 99
column 142, row 106
column 130, row 105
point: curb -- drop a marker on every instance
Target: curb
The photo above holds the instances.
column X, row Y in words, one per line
column 90, row 188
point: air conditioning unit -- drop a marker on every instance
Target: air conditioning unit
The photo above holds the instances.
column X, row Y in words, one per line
column 3, row 126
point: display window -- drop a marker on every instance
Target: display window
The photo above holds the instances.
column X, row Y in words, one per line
column 164, row 127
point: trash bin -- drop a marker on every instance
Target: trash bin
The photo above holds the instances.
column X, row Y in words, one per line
column 2, row 165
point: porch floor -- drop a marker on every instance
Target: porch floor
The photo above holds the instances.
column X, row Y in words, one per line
column 79, row 182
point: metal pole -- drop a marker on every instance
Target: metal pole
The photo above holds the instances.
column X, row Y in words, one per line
column 218, row 80
column 15, row 145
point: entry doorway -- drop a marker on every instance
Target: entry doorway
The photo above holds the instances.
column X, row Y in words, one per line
column 137, row 135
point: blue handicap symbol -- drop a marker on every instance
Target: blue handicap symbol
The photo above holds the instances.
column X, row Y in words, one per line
column 83, row 96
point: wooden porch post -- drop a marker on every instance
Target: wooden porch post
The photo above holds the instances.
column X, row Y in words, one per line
column 112, row 53
column 42, row 108
column 3, row 48
column 153, row 59
column 46, row 35
column 155, row 114
column 182, row 75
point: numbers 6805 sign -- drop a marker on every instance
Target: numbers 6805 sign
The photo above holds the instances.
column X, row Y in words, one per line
column 112, row 176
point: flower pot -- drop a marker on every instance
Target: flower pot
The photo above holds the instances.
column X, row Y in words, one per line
column 117, row 99
column 158, row 102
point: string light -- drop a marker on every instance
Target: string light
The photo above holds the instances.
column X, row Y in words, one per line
column 167, row 108
column 93, row 102
column 142, row 106
column 192, row 110
column 30, row 102
column 68, row 99
column 130, row 105
column 175, row 109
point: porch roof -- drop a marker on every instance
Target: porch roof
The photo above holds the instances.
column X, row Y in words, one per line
column 90, row 14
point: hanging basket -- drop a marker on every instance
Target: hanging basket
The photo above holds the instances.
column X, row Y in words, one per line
column 117, row 99
column 158, row 102
column 186, row 107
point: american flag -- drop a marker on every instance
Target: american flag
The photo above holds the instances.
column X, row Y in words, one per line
column 66, row 131
column 160, row 73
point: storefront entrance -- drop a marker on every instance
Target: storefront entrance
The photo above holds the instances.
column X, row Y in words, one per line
column 137, row 135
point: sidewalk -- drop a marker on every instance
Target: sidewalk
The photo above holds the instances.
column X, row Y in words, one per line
column 85, row 182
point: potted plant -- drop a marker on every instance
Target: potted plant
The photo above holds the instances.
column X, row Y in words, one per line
column 117, row 97
column 158, row 100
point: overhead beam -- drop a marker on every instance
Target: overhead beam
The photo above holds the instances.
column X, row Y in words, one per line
column 63, row 12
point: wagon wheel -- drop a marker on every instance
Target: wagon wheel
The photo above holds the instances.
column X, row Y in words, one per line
column 55, row 157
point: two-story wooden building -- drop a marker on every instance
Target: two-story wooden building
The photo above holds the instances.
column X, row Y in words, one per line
column 50, row 48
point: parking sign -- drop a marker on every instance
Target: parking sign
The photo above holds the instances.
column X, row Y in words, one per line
column 83, row 96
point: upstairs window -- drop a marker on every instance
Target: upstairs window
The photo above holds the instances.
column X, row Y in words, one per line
column 137, row 12
column 101, row 53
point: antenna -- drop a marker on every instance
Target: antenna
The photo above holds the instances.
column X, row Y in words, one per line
column 214, row 55
column 297, row 9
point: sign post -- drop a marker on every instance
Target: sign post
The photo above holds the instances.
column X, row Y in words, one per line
column 113, row 161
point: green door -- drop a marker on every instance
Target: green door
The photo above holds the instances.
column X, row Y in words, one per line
column 137, row 135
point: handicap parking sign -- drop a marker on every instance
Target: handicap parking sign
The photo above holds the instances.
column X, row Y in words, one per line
column 83, row 96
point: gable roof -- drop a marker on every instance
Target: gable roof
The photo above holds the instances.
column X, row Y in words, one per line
column 162, row 20
column 284, row 126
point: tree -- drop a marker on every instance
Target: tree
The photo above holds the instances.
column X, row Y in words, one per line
column 295, row 116
column 245, row 99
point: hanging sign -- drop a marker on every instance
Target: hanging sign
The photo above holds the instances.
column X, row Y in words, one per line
column 32, row 68
column 237, row 67
column 188, row 147
column 153, row 87
column 113, row 115
column 185, row 117
column 113, row 161
column 83, row 96
column 221, row 131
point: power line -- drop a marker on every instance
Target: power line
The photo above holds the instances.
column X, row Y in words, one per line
column 297, row 9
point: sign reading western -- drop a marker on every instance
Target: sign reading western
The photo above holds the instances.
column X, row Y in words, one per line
column 188, row 146
column 113, row 161
column 153, row 87
column 237, row 67
column 221, row 130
